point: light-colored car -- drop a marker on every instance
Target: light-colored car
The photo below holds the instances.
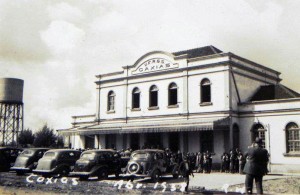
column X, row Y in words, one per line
column 57, row 161
column 27, row 160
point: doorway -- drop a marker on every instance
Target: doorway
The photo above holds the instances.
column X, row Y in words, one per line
column 135, row 141
column 174, row 142
column 153, row 140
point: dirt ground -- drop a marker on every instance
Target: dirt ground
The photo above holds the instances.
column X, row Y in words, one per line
column 10, row 184
column 289, row 185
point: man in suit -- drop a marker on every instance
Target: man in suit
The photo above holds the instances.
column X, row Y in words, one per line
column 256, row 166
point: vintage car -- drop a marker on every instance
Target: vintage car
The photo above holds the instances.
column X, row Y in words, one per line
column 100, row 163
column 8, row 157
column 149, row 163
column 57, row 162
column 27, row 160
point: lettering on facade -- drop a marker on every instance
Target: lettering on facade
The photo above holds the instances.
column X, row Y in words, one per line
column 153, row 65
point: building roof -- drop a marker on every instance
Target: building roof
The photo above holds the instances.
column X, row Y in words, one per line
column 274, row 92
column 199, row 52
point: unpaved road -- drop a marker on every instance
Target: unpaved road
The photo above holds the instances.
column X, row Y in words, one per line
column 34, row 184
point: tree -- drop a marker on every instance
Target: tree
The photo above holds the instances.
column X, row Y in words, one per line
column 60, row 141
column 45, row 138
column 26, row 137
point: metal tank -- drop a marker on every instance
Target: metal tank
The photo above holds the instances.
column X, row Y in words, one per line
column 11, row 110
column 11, row 90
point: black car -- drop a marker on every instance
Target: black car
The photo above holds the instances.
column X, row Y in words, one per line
column 8, row 157
column 150, row 163
column 100, row 163
column 57, row 162
column 27, row 160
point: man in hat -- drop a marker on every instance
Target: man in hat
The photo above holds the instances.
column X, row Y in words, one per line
column 185, row 170
column 256, row 166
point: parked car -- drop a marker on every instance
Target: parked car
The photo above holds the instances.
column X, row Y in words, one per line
column 57, row 161
column 8, row 157
column 100, row 163
column 27, row 160
column 149, row 163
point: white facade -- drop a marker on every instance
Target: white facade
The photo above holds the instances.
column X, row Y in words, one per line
column 212, row 109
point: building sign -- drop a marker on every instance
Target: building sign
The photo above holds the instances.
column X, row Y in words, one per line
column 153, row 65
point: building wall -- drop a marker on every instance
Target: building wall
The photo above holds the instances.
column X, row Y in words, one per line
column 274, row 116
column 188, row 95
column 219, row 90
column 235, row 78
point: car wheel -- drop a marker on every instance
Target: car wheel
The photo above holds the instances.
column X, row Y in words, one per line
column 64, row 172
column 155, row 176
column 134, row 168
column 103, row 174
column 82, row 178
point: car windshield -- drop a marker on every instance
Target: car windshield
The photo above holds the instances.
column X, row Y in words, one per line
column 49, row 154
column 88, row 156
column 27, row 153
column 140, row 155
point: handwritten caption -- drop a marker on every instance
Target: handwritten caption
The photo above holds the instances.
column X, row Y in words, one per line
column 225, row 187
column 157, row 186
column 51, row 180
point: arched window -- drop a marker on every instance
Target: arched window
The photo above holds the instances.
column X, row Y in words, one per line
column 153, row 96
column 259, row 131
column 136, row 98
column 205, row 91
column 236, row 136
column 292, row 138
column 173, row 94
column 111, row 101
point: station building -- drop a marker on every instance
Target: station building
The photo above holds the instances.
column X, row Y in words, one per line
column 195, row 100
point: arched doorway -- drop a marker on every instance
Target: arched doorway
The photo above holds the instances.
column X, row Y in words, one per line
column 258, row 130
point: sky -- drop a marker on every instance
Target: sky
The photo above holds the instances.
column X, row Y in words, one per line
column 57, row 47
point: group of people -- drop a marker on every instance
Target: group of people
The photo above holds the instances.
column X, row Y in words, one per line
column 253, row 163
column 233, row 162
column 198, row 162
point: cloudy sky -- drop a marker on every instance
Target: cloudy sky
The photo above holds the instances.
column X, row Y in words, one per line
column 57, row 47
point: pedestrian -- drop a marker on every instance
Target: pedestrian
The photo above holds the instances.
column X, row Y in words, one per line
column 236, row 163
column 186, row 171
column 200, row 162
column 256, row 166
column 223, row 158
column 207, row 162
column 197, row 164
column 193, row 161
column 179, row 157
column 227, row 162
column 241, row 162
column 232, row 161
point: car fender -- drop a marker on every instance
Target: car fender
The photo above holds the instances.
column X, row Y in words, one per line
column 60, row 166
column 98, row 167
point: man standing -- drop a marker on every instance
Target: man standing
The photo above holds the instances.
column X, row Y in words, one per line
column 256, row 166
column 185, row 170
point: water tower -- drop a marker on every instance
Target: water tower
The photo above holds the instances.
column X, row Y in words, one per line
column 11, row 110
